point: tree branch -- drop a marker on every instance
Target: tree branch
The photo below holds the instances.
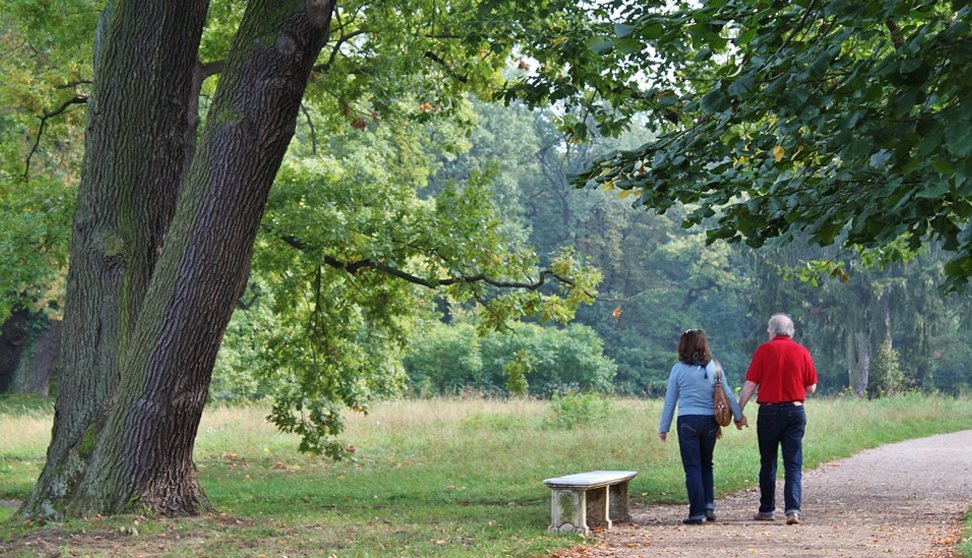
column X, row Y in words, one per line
column 76, row 100
column 353, row 267
column 799, row 26
column 310, row 124
column 337, row 47
column 212, row 68
column 895, row 32
column 455, row 75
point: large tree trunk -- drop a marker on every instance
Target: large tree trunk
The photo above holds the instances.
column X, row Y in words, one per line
column 153, row 283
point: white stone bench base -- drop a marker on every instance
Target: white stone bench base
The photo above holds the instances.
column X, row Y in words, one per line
column 585, row 501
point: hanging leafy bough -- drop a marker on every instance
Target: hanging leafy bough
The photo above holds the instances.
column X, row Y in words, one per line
column 351, row 256
column 848, row 121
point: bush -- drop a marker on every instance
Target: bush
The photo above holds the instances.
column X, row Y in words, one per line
column 886, row 377
column 572, row 409
column 445, row 360
column 543, row 360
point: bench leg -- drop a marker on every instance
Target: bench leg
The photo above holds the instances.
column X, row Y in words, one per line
column 598, row 504
column 618, row 509
column 568, row 511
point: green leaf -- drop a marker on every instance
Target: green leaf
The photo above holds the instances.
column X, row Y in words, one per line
column 798, row 96
column 943, row 166
column 600, row 45
column 653, row 31
column 623, row 29
column 820, row 66
column 628, row 45
column 909, row 65
column 715, row 101
column 667, row 100
column 959, row 140
column 742, row 85
column 934, row 191
column 745, row 37
column 659, row 161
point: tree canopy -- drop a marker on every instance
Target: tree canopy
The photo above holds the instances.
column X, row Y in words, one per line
column 847, row 121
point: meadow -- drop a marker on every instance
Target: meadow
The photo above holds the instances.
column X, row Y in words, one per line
column 442, row 477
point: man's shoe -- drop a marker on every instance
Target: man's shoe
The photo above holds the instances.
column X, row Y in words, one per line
column 793, row 518
column 690, row 521
column 710, row 515
column 759, row 516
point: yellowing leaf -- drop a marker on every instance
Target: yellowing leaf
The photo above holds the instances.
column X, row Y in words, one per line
column 609, row 185
column 778, row 153
column 626, row 193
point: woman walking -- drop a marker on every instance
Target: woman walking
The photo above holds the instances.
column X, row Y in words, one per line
column 690, row 385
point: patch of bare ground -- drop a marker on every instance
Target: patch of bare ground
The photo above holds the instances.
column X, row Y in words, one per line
column 900, row 500
column 179, row 536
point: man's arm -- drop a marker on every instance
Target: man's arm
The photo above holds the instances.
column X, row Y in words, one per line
column 747, row 391
column 811, row 389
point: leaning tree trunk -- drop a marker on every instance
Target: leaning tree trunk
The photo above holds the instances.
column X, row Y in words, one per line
column 148, row 371
column 136, row 119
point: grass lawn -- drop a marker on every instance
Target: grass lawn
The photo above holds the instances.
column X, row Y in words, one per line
column 964, row 548
column 436, row 477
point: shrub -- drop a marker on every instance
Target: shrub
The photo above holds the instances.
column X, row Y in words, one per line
column 540, row 360
column 572, row 409
column 886, row 377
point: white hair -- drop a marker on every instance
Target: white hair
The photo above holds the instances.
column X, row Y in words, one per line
column 780, row 324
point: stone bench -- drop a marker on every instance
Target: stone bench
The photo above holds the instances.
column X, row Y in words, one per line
column 585, row 501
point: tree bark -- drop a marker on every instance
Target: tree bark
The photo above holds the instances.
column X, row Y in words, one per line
column 156, row 269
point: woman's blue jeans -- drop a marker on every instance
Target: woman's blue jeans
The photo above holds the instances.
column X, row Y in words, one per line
column 696, row 443
column 781, row 427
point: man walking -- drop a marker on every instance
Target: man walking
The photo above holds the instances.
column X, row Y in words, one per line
column 784, row 373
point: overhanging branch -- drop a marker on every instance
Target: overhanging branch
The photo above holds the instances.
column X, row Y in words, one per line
column 76, row 100
column 353, row 267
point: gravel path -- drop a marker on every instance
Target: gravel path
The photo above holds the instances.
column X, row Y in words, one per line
column 901, row 500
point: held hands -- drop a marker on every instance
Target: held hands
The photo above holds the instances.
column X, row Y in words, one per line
column 742, row 423
column 662, row 436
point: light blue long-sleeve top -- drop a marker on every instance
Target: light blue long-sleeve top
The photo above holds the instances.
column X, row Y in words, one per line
column 691, row 385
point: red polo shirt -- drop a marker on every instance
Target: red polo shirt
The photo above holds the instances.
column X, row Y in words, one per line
column 783, row 369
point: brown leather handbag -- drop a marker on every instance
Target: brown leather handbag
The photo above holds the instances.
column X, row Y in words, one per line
column 720, row 403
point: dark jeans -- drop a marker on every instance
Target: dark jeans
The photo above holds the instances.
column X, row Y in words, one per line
column 781, row 426
column 696, row 442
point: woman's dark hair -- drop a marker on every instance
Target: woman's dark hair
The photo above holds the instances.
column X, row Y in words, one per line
column 693, row 348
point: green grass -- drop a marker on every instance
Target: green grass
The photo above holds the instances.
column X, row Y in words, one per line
column 964, row 548
column 452, row 478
